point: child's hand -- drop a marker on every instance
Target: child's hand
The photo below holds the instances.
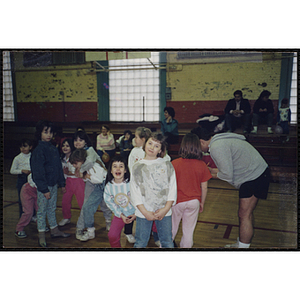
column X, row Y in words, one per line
column 131, row 218
column 160, row 213
column 66, row 171
column 149, row 215
column 47, row 195
column 63, row 189
column 201, row 207
column 77, row 173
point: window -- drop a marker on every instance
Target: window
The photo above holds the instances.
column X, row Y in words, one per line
column 293, row 96
column 42, row 59
column 8, row 99
column 134, row 90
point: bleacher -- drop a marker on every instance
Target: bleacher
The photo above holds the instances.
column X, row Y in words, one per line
column 280, row 155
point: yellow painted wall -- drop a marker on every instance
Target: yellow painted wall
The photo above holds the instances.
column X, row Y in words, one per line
column 218, row 81
column 77, row 83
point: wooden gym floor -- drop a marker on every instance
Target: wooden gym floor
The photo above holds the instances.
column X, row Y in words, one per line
column 275, row 221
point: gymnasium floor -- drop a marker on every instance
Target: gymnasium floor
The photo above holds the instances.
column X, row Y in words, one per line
column 275, row 221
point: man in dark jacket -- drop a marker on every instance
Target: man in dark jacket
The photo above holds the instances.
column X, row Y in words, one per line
column 237, row 112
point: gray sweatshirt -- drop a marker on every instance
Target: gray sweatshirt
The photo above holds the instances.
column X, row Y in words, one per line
column 237, row 160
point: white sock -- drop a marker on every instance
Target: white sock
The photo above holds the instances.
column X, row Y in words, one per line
column 243, row 245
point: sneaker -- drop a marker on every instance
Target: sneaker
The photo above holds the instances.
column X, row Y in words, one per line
column 64, row 222
column 47, row 229
column 157, row 243
column 254, row 131
column 88, row 235
column 235, row 245
column 130, row 238
column 20, row 234
column 108, row 223
column 270, row 130
column 79, row 234
column 33, row 219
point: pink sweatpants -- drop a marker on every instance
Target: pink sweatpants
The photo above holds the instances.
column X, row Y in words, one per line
column 74, row 186
column 114, row 233
column 188, row 212
column 28, row 197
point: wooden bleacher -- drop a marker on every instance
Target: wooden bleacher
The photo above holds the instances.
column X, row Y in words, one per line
column 281, row 156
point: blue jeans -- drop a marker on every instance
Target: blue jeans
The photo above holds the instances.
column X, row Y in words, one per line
column 89, row 208
column 143, row 231
column 46, row 208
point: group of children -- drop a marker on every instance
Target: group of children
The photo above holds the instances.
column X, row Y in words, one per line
column 149, row 189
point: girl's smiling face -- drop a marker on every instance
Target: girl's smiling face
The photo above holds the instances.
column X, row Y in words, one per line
column 152, row 149
column 79, row 143
column 65, row 148
column 118, row 171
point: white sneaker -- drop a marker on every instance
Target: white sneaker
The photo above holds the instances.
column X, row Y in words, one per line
column 130, row 238
column 235, row 245
column 254, row 131
column 108, row 223
column 88, row 235
column 270, row 130
column 79, row 234
column 63, row 222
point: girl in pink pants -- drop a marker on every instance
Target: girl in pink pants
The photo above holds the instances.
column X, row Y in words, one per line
column 192, row 175
column 74, row 185
column 117, row 198
column 28, row 197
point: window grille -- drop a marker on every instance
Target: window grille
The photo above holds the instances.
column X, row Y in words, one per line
column 134, row 93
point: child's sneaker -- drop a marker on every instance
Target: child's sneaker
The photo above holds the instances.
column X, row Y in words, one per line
column 64, row 222
column 20, row 234
column 79, row 234
column 108, row 223
column 88, row 235
column 157, row 243
column 130, row 238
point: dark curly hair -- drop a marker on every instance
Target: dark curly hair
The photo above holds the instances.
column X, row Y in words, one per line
column 117, row 158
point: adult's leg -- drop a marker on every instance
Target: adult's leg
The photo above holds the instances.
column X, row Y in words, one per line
column 246, row 208
column 228, row 122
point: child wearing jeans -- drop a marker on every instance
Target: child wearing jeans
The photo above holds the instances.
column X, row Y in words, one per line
column 153, row 192
column 21, row 167
column 74, row 185
column 192, row 175
column 117, row 198
column 82, row 141
column 47, row 174
column 96, row 176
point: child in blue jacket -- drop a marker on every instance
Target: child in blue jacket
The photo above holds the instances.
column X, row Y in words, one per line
column 47, row 174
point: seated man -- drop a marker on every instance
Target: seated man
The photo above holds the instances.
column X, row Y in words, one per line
column 263, row 112
column 237, row 112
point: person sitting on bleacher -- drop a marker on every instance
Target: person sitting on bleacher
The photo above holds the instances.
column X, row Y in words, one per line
column 237, row 112
column 263, row 112
column 169, row 126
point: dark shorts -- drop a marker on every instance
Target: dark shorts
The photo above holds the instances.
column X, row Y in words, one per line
column 258, row 187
